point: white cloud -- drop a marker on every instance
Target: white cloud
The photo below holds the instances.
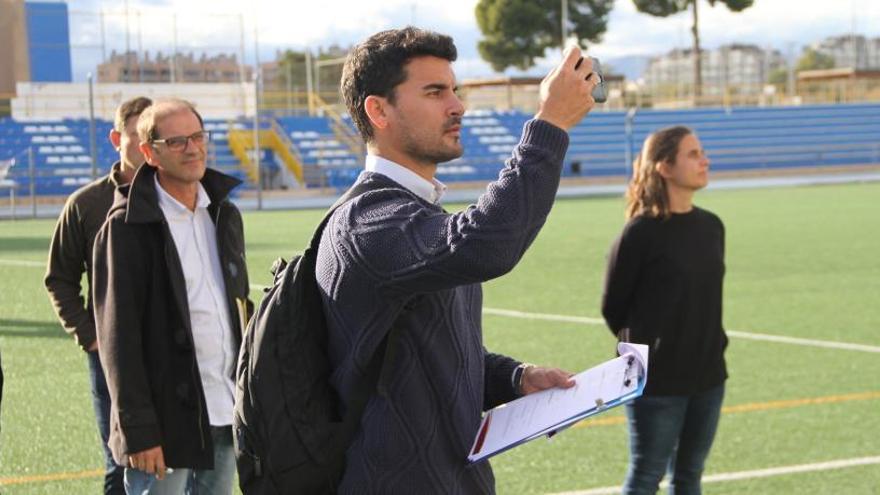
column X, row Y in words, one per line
column 215, row 25
column 773, row 23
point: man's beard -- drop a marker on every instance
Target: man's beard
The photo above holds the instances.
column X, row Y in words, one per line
column 419, row 151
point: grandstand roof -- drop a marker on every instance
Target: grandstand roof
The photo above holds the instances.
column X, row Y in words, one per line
column 837, row 73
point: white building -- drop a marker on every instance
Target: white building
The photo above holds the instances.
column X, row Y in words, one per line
column 737, row 67
column 854, row 51
column 56, row 101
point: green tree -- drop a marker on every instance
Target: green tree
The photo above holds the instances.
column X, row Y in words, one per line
column 814, row 60
column 292, row 69
column 665, row 8
column 809, row 60
column 516, row 32
column 778, row 76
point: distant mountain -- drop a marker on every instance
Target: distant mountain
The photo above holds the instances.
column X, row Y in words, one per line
column 631, row 66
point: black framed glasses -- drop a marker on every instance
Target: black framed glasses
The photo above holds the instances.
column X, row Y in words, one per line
column 179, row 143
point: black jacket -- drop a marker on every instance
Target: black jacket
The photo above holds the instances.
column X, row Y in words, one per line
column 70, row 254
column 143, row 325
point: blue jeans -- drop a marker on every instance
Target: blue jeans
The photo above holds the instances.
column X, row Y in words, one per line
column 101, row 402
column 671, row 434
column 217, row 481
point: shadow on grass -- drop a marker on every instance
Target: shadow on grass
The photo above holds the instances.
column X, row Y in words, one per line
column 24, row 244
column 30, row 328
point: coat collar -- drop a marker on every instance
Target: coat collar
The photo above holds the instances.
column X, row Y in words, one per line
column 115, row 175
column 142, row 201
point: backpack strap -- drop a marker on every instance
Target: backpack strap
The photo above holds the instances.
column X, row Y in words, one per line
column 381, row 360
column 277, row 268
column 354, row 191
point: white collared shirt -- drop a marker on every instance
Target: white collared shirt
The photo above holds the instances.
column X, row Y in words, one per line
column 195, row 237
column 429, row 190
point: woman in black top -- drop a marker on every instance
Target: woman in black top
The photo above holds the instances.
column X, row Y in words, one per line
column 663, row 288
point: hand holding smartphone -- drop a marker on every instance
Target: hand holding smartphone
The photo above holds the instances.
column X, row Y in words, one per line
column 599, row 94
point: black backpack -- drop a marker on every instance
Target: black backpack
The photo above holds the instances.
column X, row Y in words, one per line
column 289, row 436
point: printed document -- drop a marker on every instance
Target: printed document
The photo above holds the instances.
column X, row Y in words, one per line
column 597, row 389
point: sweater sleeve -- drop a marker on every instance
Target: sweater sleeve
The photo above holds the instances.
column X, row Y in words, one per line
column 64, row 270
column 120, row 299
column 622, row 274
column 498, row 386
column 410, row 246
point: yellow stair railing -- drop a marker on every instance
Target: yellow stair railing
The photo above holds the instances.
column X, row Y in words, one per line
column 241, row 141
column 280, row 142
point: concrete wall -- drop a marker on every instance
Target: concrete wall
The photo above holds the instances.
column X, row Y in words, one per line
column 55, row 101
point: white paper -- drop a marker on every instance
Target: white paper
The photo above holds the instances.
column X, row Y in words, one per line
column 606, row 385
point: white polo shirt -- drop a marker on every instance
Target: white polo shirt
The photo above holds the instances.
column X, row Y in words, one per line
column 195, row 237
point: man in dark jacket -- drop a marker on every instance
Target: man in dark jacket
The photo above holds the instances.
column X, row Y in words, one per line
column 394, row 257
column 70, row 254
column 170, row 291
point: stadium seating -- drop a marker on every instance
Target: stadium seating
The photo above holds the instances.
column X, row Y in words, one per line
column 219, row 154
column 60, row 151
column 327, row 158
column 62, row 157
column 739, row 138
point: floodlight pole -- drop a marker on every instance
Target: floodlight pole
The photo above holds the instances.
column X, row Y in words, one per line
column 127, row 45
column 628, row 131
column 93, row 145
column 33, row 181
column 241, row 70
column 309, row 87
column 140, row 50
column 564, row 23
column 790, row 85
column 289, row 87
column 103, row 38
column 257, row 139
column 174, row 49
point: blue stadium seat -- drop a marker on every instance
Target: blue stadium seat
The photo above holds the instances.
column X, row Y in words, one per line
column 62, row 154
column 739, row 138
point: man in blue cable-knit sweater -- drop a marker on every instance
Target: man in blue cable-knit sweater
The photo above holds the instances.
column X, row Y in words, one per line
column 393, row 256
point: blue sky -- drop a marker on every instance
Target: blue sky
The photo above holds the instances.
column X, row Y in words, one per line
column 216, row 26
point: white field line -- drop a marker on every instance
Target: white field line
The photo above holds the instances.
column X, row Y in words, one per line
column 732, row 333
column 747, row 475
column 807, row 342
column 543, row 316
column 28, row 263
column 594, row 321
column 741, row 475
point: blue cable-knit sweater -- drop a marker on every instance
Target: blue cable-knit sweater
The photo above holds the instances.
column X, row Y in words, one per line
column 387, row 249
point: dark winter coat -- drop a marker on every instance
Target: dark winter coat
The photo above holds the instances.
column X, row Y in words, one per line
column 143, row 325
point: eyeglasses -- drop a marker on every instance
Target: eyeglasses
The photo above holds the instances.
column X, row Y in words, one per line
column 179, row 143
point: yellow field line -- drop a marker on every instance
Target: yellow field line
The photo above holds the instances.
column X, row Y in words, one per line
column 753, row 407
column 787, row 404
column 20, row 480
column 606, row 421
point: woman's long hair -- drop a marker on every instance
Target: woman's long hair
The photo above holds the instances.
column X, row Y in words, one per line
column 647, row 194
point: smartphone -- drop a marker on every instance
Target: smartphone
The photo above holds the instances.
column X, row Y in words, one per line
column 599, row 93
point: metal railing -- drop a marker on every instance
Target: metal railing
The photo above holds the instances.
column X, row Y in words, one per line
column 341, row 129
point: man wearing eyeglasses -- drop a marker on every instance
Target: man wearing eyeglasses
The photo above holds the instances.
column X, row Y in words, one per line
column 170, row 291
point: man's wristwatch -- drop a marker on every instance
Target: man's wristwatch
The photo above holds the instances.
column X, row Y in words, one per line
column 518, row 374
